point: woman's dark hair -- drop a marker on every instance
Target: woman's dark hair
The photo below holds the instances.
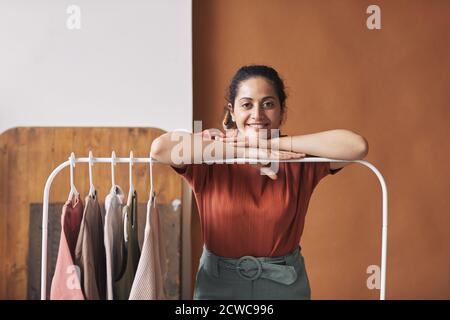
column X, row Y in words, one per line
column 247, row 72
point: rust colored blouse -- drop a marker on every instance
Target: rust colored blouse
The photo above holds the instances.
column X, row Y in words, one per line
column 245, row 213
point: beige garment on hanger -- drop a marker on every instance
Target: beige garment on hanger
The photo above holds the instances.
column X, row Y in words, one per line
column 90, row 251
column 113, row 235
column 149, row 279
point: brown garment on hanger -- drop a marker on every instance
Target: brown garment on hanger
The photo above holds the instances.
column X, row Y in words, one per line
column 90, row 251
column 122, row 286
column 245, row 213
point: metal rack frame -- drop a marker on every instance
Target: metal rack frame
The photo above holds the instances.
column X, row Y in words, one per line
column 227, row 161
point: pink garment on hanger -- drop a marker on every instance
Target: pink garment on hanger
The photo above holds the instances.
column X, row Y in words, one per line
column 66, row 279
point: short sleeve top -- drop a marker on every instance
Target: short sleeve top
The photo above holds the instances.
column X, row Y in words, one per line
column 245, row 213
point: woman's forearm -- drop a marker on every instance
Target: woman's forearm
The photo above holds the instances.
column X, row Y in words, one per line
column 335, row 144
column 186, row 148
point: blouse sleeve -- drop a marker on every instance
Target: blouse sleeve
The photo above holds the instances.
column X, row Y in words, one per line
column 195, row 175
column 321, row 170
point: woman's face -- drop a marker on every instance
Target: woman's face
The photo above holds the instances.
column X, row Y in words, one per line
column 256, row 107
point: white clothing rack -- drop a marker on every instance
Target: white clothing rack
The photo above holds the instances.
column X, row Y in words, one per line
column 227, row 161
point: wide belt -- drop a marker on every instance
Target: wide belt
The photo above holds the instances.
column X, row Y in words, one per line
column 252, row 268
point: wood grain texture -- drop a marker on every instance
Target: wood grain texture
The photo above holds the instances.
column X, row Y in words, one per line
column 3, row 197
column 28, row 156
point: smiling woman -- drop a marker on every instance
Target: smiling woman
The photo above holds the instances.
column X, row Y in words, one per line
column 252, row 220
column 256, row 100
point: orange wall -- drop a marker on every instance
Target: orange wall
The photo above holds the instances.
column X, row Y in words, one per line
column 389, row 85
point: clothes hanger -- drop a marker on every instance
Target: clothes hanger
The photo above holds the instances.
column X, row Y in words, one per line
column 113, row 164
column 129, row 201
column 152, row 194
column 92, row 191
column 73, row 190
column 152, row 197
column 130, row 193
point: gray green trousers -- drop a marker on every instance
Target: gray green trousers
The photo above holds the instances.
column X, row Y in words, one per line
column 247, row 278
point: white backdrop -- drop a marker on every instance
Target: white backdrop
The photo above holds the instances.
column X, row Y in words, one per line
column 129, row 64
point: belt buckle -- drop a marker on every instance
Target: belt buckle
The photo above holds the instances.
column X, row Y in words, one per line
column 255, row 261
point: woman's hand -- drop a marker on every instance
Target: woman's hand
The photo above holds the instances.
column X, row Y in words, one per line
column 260, row 149
column 254, row 148
column 239, row 140
column 211, row 134
column 268, row 154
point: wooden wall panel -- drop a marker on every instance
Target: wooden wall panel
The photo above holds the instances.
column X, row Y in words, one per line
column 3, row 197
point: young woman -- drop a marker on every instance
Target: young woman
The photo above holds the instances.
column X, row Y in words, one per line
column 252, row 215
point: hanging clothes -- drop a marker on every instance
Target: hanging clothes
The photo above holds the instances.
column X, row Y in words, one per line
column 66, row 284
column 90, row 250
column 151, row 272
column 123, row 285
column 113, row 235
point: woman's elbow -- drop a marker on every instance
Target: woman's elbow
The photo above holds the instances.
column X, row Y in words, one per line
column 363, row 148
column 157, row 149
column 163, row 147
